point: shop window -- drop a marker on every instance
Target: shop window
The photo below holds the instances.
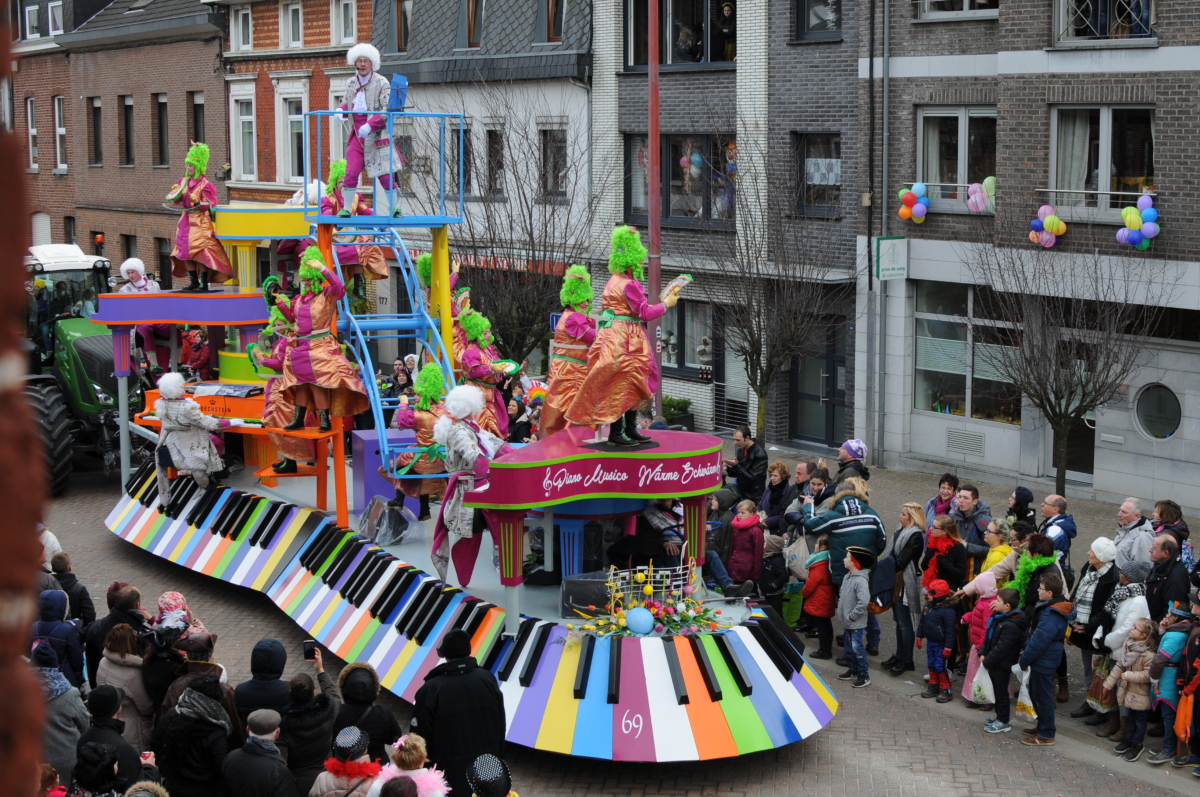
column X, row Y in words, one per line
column 699, row 180
column 554, row 163
column 403, row 24
column 819, row 19
column 956, row 147
column 687, row 335
column 1159, row 412
column 819, row 167
column 693, row 32
column 126, row 130
column 95, row 132
column 1102, row 159
column 958, row 9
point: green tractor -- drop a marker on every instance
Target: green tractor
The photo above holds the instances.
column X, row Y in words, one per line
column 71, row 386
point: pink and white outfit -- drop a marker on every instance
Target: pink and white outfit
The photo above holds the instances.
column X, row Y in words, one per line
column 135, row 271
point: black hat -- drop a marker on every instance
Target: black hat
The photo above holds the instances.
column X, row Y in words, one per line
column 488, row 777
column 455, row 645
column 105, row 700
column 863, row 557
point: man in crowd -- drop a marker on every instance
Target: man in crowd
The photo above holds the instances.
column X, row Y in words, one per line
column 972, row 517
column 850, row 458
column 749, row 468
column 78, row 598
column 1134, row 534
column 258, row 769
column 1057, row 524
column 1168, row 580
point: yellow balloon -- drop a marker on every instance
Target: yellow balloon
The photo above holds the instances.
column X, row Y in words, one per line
column 918, row 219
column 1062, row 228
column 1133, row 222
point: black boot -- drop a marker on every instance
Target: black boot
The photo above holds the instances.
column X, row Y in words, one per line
column 297, row 423
column 193, row 285
column 358, row 287
column 203, row 283
column 423, row 514
column 616, row 434
column 326, row 424
column 285, row 466
column 631, row 428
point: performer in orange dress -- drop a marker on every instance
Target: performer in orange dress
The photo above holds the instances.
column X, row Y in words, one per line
column 572, row 338
column 196, row 247
column 429, row 386
column 363, row 259
column 621, row 371
column 316, row 373
column 461, row 304
column 481, row 369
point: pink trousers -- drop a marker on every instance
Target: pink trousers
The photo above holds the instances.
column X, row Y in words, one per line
column 356, row 164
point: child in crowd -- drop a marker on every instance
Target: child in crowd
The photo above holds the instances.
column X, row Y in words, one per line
column 1001, row 649
column 820, row 602
column 1044, row 650
column 774, row 578
column 852, row 612
column 49, row 786
column 408, row 757
column 1131, row 676
column 1164, row 670
column 977, row 621
column 745, row 544
column 936, row 632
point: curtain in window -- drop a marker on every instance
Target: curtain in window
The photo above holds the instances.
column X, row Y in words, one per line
column 1074, row 129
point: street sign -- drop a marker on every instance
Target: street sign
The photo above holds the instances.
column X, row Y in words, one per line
column 891, row 258
column 554, row 319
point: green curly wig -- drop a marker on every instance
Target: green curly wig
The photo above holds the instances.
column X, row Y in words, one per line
column 429, row 384
column 627, row 252
column 198, row 156
column 576, row 287
column 266, row 286
column 475, row 325
column 337, row 171
column 425, row 269
column 277, row 318
column 307, row 272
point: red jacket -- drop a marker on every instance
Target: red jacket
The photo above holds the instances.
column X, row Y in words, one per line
column 819, row 600
column 745, row 550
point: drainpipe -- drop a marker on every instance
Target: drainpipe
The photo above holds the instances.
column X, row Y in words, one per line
column 868, row 202
column 884, row 192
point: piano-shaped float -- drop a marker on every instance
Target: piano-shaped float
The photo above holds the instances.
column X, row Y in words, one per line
column 712, row 695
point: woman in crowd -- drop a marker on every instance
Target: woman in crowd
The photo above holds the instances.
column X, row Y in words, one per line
column 996, row 536
column 1020, row 506
column 776, row 497
column 906, row 547
column 945, row 555
column 306, row 725
column 943, row 502
column 1097, row 580
column 122, row 668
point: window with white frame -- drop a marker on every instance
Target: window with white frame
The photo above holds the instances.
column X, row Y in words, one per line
column 31, row 129
column 1101, row 159
column 554, row 163
column 345, row 28
column 293, row 113
column 687, row 335
column 335, row 130
column 243, row 34
column 1088, row 21
column 55, row 11
column 32, row 31
column 6, row 104
column 957, row 9
column 956, row 146
column 291, row 26
column 403, row 24
column 243, row 138
column 457, row 166
column 60, row 131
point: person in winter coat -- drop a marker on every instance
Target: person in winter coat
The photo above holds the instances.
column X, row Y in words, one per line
column 777, row 497
column 1134, row 534
column 1043, row 652
column 459, row 710
column 78, row 598
column 265, row 689
column 943, row 502
column 1002, row 643
column 105, row 705
column 906, row 547
column 199, row 649
column 721, row 506
column 66, row 716
column 1038, row 559
column 945, row 557
column 1168, row 519
column 409, row 758
column 1097, row 580
column 191, row 740
column 1126, row 605
column 817, row 488
column 161, row 664
column 146, row 789
column 1006, row 569
column 1167, row 583
column 850, row 462
column 257, row 769
column 306, row 728
column 349, row 772
column 358, row 685
column 972, row 516
column 749, row 466
column 996, row 538
column 853, row 599
column 849, row 522
column 1130, row 675
column 773, row 578
column 745, row 545
column 976, row 622
column 126, row 608
column 936, row 631
column 1058, row 525
column 51, row 629
column 1176, row 627
column 122, row 668
column 173, row 608
column 820, row 601
column 95, row 774
column 1020, row 506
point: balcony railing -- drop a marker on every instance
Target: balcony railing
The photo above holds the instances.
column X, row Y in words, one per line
column 1097, row 207
column 1098, row 20
column 951, row 197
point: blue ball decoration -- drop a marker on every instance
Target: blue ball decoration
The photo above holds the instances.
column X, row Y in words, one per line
column 639, row 621
column 1036, row 225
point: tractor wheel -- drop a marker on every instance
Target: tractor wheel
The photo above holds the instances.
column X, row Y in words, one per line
column 54, row 427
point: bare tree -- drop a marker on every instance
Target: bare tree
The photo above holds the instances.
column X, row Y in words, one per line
column 1074, row 325
column 527, row 172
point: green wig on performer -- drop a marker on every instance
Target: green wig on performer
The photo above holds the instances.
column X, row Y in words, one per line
column 476, row 327
column 337, row 172
column 272, row 282
column 310, row 277
column 197, row 157
column 429, row 385
column 576, row 287
column 628, row 253
column 425, row 269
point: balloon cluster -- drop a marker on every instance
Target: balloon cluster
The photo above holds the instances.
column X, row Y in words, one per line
column 1046, row 228
column 913, row 203
column 1141, row 223
column 981, row 197
column 692, row 164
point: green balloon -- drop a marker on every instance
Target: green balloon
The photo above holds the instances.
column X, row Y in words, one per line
column 1144, row 245
column 989, row 186
column 900, row 194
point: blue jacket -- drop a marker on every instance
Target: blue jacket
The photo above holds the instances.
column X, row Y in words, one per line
column 1044, row 649
column 937, row 625
column 1167, row 661
column 1061, row 529
column 849, row 522
column 60, row 634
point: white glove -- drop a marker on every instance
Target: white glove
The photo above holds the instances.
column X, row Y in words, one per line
column 236, row 422
column 1016, row 668
column 364, row 131
column 341, row 117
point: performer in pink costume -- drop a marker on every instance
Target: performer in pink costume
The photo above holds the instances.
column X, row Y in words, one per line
column 481, row 368
column 197, row 249
column 134, row 270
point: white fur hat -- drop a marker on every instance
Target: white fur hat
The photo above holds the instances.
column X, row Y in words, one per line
column 360, row 50
column 170, row 385
column 133, row 264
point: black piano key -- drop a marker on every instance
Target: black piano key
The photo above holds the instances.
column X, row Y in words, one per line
column 310, row 525
column 436, row 609
column 391, row 596
column 422, row 611
column 231, row 505
column 384, row 562
column 340, row 545
column 312, row 554
column 495, row 650
column 681, row 693
column 150, row 495
column 465, row 610
column 373, row 564
column 476, row 620
column 509, row 660
column 535, row 655
column 735, row 665
column 584, row 668
column 344, row 559
column 789, row 643
column 614, row 671
column 180, row 496
column 768, row 645
column 414, row 603
column 391, row 575
column 193, row 492
column 205, row 504
column 360, row 572
column 138, row 477
column 706, row 669
column 265, row 519
column 238, row 524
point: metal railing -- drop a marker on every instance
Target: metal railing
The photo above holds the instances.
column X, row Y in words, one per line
column 1098, row 20
column 949, row 193
column 1099, row 201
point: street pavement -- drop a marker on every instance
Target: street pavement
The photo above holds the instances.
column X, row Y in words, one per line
column 884, row 740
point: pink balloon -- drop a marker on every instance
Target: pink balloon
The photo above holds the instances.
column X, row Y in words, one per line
column 1048, row 239
column 683, row 162
column 919, row 211
column 1150, row 229
column 1145, row 201
column 977, row 203
column 1044, row 211
column 974, row 188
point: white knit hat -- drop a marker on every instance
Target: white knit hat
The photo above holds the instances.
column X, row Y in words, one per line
column 1104, row 549
column 360, row 50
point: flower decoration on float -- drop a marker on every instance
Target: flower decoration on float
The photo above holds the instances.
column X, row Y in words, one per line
column 914, row 204
column 981, row 197
column 647, row 601
column 1141, row 223
column 1047, row 227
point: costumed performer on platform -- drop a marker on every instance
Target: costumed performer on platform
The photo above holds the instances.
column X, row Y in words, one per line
column 134, row 271
column 369, row 146
column 425, row 277
column 469, row 451
column 315, row 372
column 481, row 369
column 363, row 259
column 572, row 338
column 277, row 410
column 421, row 417
column 196, row 246
column 621, row 371
column 185, row 441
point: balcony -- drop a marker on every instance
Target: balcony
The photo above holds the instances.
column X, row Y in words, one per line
column 1087, row 22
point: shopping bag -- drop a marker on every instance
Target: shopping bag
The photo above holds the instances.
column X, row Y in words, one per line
column 1183, row 718
column 1101, row 699
column 793, row 607
column 1024, row 703
column 796, row 556
column 981, row 683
